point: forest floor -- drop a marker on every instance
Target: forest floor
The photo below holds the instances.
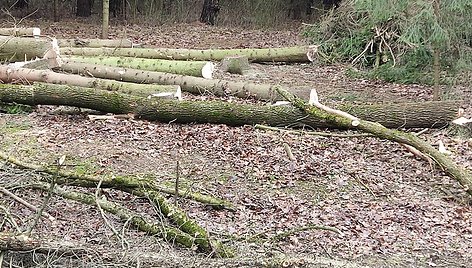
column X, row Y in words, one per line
column 394, row 210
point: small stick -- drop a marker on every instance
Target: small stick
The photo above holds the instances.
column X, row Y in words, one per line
column 177, row 177
column 25, row 203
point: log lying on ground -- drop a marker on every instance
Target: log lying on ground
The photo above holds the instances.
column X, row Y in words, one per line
column 219, row 112
column 192, row 68
column 342, row 119
column 122, row 43
column 21, row 48
column 9, row 74
column 31, row 32
column 285, row 54
column 170, row 234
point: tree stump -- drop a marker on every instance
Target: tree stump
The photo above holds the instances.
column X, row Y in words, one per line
column 235, row 65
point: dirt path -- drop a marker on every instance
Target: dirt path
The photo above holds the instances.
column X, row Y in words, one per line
column 393, row 210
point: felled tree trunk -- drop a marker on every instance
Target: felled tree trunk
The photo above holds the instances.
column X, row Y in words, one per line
column 218, row 112
column 26, row 76
column 21, row 48
column 35, row 32
column 95, row 43
column 193, row 68
column 285, row 54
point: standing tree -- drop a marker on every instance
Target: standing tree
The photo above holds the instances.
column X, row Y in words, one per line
column 84, row 8
column 210, row 11
column 105, row 18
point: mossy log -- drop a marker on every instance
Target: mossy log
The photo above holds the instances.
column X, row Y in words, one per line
column 27, row 32
column 77, row 42
column 462, row 175
column 14, row 49
column 127, row 183
column 170, row 234
column 220, row 112
column 192, row 68
column 285, row 54
column 27, row 76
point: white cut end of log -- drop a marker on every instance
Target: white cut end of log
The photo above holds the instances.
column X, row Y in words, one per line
column 442, row 149
column 36, row 32
column 313, row 97
column 355, row 123
column 178, row 93
column 207, row 70
column 281, row 103
column 53, row 55
column 461, row 112
column 462, row 121
column 312, row 53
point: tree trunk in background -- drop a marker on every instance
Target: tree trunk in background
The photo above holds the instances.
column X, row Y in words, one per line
column 56, row 10
column 84, row 8
column 20, row 4
column 118, row 8
column 105, row 18
column 210, row 11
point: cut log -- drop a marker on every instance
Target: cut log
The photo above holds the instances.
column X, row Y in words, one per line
column 14, row 242
column 95, row 43
column 192, row 68
column 218, row 112
column 285, row 54
column 21, row 49
column 26, row 76
column 235, row 65
column 27, row 32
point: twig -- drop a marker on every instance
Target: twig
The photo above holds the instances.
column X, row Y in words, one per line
column 25, row 203
column 177, row 177
column 316, row 133
column 102, row 214
column 9, row 218
column 283, row 235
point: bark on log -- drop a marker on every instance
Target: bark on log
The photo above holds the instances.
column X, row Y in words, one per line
column 463, row 176
column 192, row 68
column 30, row 32
column 219, row 112
column 122, row 43
column 285, row 54
column 21, row 48
column 26, row 76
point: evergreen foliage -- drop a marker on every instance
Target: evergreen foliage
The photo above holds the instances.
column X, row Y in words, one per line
column 395, row 39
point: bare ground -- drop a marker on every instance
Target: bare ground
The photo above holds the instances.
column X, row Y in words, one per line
column 393, row 210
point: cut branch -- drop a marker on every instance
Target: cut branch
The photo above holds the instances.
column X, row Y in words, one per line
column 30, row 32
column 462, row 175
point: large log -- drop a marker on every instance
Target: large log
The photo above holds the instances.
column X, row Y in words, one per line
column 14, row 49
column 219, row 112
column 193, row 68
column 10, row 74
column 31, row 32
column 284, row 54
